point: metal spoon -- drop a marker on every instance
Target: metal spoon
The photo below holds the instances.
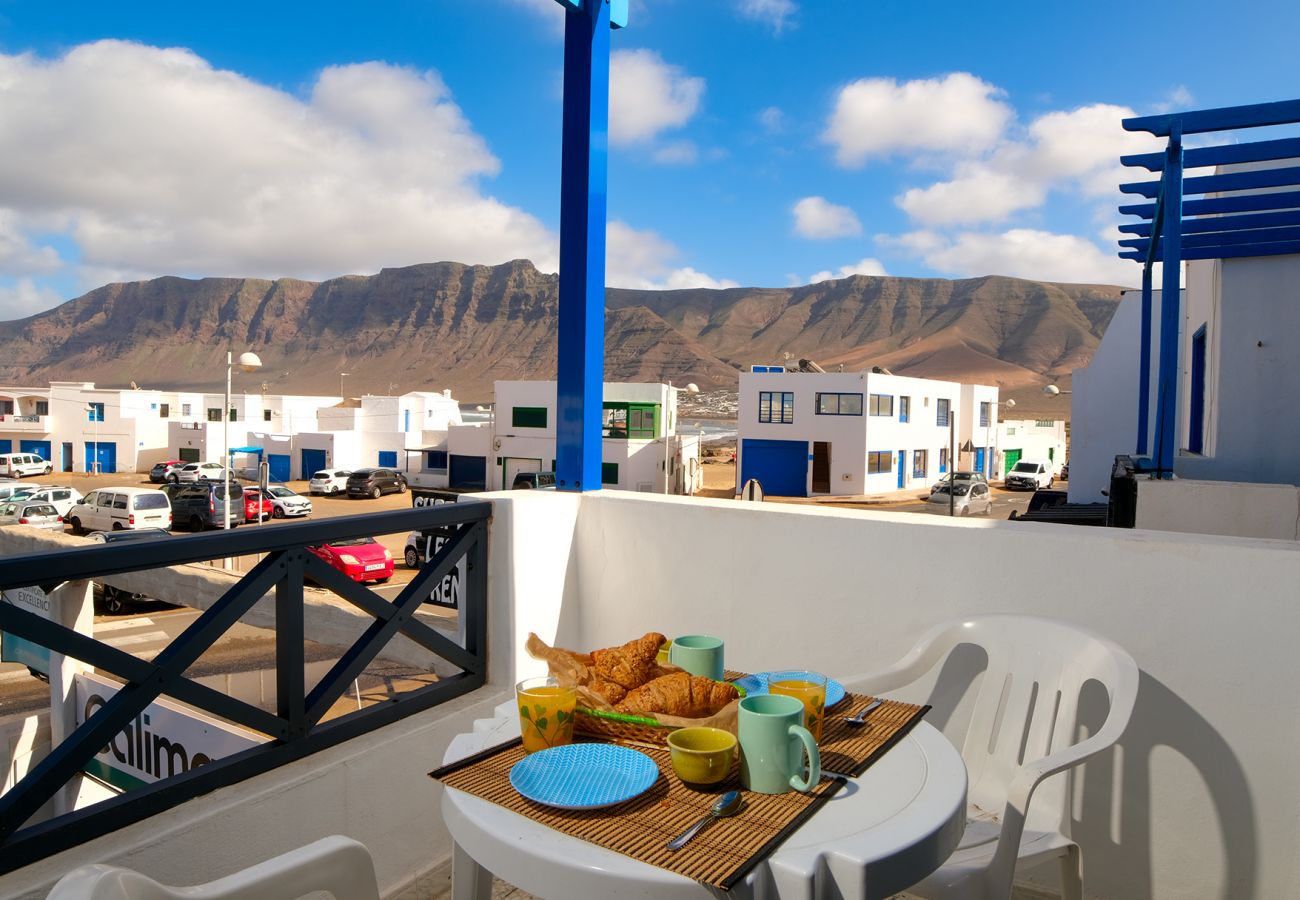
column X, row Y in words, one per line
column 727, row 805
column 861, row 718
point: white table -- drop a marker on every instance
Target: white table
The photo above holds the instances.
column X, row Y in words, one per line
column 879, row 834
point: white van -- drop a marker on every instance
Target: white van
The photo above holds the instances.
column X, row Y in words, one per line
column 1031, row 474
column 18, row 465
column 119, row 509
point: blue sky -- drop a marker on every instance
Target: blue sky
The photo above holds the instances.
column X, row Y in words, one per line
column 755, row 142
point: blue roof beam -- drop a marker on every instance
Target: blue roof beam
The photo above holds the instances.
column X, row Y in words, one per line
column 1232, row 181
column 1222, row 223
column 1213, row 205
column 1229, row 118
column 1274, row 249
column 1259, row 151
column 1225, row 238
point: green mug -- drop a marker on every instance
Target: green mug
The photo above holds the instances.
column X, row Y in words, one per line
column 773, row 742
column 698, row 654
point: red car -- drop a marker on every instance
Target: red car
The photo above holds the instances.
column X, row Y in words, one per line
column 361, row 559
column 255, row 504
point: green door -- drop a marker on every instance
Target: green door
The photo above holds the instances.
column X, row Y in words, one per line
column 1012, row 457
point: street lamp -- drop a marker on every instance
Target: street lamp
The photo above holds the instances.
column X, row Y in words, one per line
column 996, row 446
column 343, row 375
column 93, row 411
column 247, row 363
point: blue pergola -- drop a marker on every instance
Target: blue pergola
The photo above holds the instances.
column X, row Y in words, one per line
column 580, row 371
column 1226, row 225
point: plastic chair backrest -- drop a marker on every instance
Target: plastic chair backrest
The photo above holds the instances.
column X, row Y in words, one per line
column 336, row 865
column 1028, row 702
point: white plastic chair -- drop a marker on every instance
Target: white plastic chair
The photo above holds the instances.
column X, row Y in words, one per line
column 336, row 865
column 1028, row 699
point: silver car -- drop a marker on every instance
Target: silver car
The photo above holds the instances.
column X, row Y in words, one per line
column 967, row 500
column 36, row 514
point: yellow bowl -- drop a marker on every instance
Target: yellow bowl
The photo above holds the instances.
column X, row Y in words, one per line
column 702, row 755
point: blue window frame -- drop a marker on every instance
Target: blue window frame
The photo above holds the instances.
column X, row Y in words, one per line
column 920, row 463
column 942, row 412
column 904, row 408
column 882, row 405
column 776, row 406
column 437, row 459
column 880, row 461
column 388, row 458
column 839, row 404
column 984, row 414
column 95, row 412
column 943, row 460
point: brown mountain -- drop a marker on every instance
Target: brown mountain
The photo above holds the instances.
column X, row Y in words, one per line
column 450, row 325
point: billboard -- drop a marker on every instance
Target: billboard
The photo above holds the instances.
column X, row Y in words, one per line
column 20, row 650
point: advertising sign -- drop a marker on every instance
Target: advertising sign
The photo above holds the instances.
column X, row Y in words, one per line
column 447, row 592
column 164, row 740
column 19, row 650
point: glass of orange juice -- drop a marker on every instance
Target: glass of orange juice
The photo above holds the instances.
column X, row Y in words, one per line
column 807, row 687
column 546, row 710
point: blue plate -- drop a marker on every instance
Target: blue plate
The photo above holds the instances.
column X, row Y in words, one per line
column 583, row 776
column 757, row 684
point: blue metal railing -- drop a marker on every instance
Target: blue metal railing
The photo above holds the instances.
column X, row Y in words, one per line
column 296, row 728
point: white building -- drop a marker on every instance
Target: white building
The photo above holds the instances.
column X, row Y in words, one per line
column 640, row 449
column 1036, row 439
column 854, row 433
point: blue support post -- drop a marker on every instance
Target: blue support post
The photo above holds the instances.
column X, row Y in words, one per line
column 581, row 363
column 1144, row 366
column 1170, row 305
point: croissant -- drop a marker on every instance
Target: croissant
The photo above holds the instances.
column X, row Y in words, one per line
column 613, row 693
column 679, row 694
column 630, row 665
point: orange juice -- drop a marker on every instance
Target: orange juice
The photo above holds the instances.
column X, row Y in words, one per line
column 808, row 690
column 546, row 713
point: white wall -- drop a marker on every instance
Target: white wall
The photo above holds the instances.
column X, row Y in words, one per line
column 1034, row 441
column 1104, row 405
column 1220, row 507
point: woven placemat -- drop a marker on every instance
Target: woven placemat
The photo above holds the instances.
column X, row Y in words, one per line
column 728, row 848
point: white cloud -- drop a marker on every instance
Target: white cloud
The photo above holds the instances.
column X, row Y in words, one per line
column 17, row 255
column 1179, row 97
column 643, row 259
column 24, row 297
column 776, row 14
column 867, row 266
column 772, row 119
column 1020, row 253
column 816, row 217
column 677, row 153
column 876, row 117
column 648, row 96
column 158, row 163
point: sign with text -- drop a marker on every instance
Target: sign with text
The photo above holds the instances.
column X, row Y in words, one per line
column 20, row 650
column 164, row 740
column 447, row 592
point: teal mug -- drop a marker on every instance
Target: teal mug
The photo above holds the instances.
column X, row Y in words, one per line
column 773, row 743
column 698, row 654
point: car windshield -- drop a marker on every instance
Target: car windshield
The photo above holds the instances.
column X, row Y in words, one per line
column 151, row 501
column 353, row 542
column 320, row 476
column 1025, row 467
column 281, row 492
column 40, row 509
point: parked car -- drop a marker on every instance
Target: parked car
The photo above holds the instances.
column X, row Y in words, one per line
column 361, row 559
column 20, row 465
column 961, row 478
column 256, row 506
column 285, row 502
column 192, row 472
column 113, row 600
column 544, row 481
column 9, row 488
column 373, row 482
column 35, row 514
column 968, row 499
column 119, row 509
column 1065, row 471
column 158, row 474
column 61, row 498
column 1030, row 474
column 203, row 504
column 329, row 481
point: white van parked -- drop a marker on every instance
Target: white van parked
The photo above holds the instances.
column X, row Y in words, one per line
column 18, row 465
column 119, row 509
column 61, row 498
column 1031, row 474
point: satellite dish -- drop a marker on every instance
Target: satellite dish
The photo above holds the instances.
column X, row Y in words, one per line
column 1010, row 403
column 134, row 386
column 692, row 388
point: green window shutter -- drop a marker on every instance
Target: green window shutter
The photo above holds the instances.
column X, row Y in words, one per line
column 609, row 473
column 528, row 417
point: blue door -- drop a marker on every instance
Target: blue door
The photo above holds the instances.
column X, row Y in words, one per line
column 105, row 453
column 902, row 474
column 979, row 459
column 312, row 462
column 388, row 458
column 781, row 467
column 277, row 466
column 467, row 472
column 6, row 446
column 40, row 448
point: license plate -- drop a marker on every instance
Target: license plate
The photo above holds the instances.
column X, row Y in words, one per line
column 374, row 567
